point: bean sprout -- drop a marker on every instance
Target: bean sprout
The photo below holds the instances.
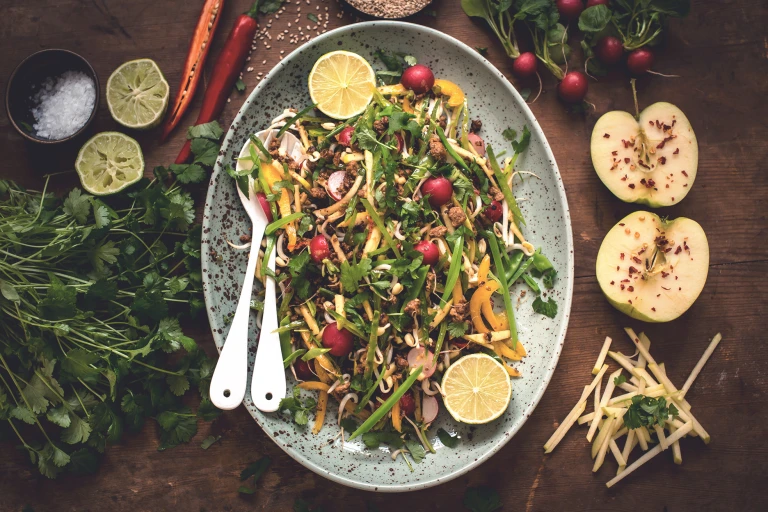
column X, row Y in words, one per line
column 378, row 357
column 279, row 247
column 333, row 386
column 397, row 233
column 347, row 398
column 390, row 352
column 478, row 208
column 239, row 247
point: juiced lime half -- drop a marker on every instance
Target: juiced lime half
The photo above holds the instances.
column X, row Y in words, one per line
column 109, row 162
column 137, row 94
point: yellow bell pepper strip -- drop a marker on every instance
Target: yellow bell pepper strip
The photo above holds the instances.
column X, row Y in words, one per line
column 388, row 404
column 483, row 269
column 511, row 371
column 520, row 349
column 322, row 374
column 322, row 405
column 314, row 386
column 272, row 174
column 451, row 90
column 481, row 295
column 487, row 309
column 505, row 351
column 393, row 90
column 407, row 105
column 458, row 293
column 397, row 420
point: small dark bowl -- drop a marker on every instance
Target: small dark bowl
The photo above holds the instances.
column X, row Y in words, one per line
column 26, row 80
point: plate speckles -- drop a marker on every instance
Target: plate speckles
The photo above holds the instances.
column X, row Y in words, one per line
column 492, row 99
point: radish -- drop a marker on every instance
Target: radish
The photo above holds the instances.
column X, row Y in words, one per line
column 439, row 190
column 573, row 87
column 302, row 370
column 478, row 142
column 570, row 9
column 418, row 78
column 430, row 252
column 493, row 212
column 525, row 65
column 407, row 404
column 338, row 340
column 264, row 205
column 422, row 357
column 345, row 136
column 335, row 184
column 400, row 142
column 318, row 249
column 640, row 61
column 429, row 408
column 609, row 50
column 592, row 3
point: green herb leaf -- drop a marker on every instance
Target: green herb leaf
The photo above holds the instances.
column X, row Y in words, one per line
column 449, row 440
column 254, row 470
column 240, row 85
column 457, row 329
column 547, row 308
column 210, row 130
column 352, row 274
column 621, row 379
column 595, row 18
column 314, row 352
column 646, row 411
column 270, row 6
column 209, row 441
column 311, row 17
column 416, row 450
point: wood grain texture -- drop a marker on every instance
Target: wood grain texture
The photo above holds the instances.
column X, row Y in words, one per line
column 721, row 54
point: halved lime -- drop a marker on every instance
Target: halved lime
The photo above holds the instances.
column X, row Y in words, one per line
column 137, row 94
column 109, row 162
column 476, row 389
column 341, row 83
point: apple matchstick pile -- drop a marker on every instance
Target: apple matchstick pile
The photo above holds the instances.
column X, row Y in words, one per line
column 651, row 411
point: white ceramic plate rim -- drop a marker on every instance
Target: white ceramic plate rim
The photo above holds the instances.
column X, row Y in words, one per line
column 561, row 330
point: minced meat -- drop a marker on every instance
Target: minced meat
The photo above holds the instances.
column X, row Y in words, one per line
column 457, row 216
column 436, row 148
column 442, row 121
column 459, row 311
column 496, row 194
column 318, row 192
column 381, row 125
column 438, row 231
column 476, row 126
column 352, row 168
column 412, row 307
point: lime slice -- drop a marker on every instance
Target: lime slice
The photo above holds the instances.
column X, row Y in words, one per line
column 109, row 162
column 477, row 389
column 137, row 94
column 341, row 84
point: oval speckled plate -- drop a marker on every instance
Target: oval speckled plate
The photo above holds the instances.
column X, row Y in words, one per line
column 495, row 101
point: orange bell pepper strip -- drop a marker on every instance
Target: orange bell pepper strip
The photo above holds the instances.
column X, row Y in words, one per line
column 273, row 174
column 458, row 293
column 397, row 420
column 322, row 405
column 452, row 91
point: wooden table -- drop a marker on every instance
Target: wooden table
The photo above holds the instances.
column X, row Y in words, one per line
column 721, row 54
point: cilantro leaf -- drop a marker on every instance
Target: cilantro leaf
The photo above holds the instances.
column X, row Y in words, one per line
column 192, row 173
column 311, row 17
column 209, row 441
column 77, row 205
column 416, row 450
column 403, row 121
column 482, row 499
column 366, row 138
column 621, row 379
column 59, row 302
column 646, row 411
column 549, row 279
column 509, row 134
column 547, row 308
column 270, row 6
column 103, row 254
column 240, row 85
column 449, row 440
column 522, row 144
column 352, row 274
column 210, row 130
column 456, row 329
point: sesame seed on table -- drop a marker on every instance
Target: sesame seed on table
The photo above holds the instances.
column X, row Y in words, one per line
column 722, row 62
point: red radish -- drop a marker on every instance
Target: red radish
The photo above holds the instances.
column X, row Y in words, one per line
column 303, row 370
column 430, row 252
column 592, row 3
column 338, row 340
column 525, row 65
column 407, row 404
column 319, row 249
column 418, row 78
column 640, row 61
column 493, row 212
column 609, row 50
column 573, row 87
column 460, row 344
column 422, row 357
column 570, row 9
column 264, row 205
column 439, row 189
column 400, row 142
column 478, row 142
column 429, row 408
column 345, row 136
column 335, row 184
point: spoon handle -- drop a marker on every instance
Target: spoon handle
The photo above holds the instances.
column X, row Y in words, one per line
column 231, row 375
column 268, row 381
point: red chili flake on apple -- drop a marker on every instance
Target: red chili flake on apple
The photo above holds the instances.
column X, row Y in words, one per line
column 685, row 174
column 606, row 136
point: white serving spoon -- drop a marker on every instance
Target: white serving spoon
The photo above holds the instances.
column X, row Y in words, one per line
column 230, row 377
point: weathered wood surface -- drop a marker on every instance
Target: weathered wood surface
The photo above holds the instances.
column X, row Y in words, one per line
column 721, row 53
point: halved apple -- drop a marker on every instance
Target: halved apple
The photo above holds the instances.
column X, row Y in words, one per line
column 651, row 269
column 650, row 160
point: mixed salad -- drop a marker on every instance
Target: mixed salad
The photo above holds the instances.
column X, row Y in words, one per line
column 395, row 231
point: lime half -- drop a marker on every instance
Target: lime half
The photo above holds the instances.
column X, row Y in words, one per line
column 476, row 389
column 109, row 162
column 341, row 84
column 137, row 94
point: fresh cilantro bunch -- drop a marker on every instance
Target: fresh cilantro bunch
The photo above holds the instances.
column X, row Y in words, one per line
column 91, row 291
column 647, row 411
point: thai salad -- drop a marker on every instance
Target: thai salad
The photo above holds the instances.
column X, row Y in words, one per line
column 396, row 231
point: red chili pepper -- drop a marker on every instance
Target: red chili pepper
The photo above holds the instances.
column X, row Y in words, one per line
column 225, row 71
column 198, row 51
